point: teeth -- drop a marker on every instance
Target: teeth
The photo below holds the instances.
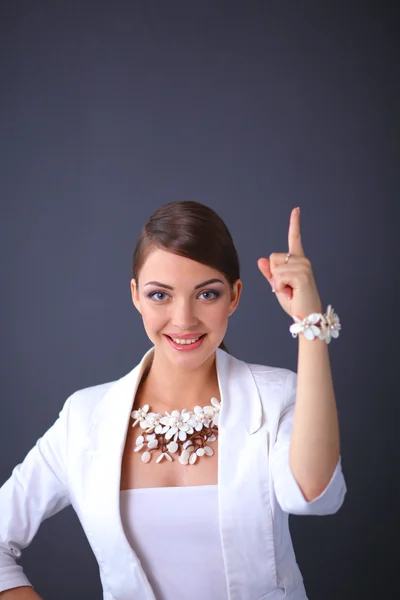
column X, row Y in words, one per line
column 178, row 341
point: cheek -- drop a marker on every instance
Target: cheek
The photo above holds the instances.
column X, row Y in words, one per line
column 152, row 319
column 218, row 316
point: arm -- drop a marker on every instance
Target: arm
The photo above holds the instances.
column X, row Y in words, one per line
column 315, row 443
column 305, row 458
column 289, row 493
column 36, row 490
column 20, row 593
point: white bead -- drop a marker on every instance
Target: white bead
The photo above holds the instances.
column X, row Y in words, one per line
column 209, row 451
column 146, row 457
column 185, row 455
column 138, row 448
column 200, row 452
column 308, row 334
column 170, row 433
column 139, row 440
column 193, row 458
column 172, row 447
column 152, row 444
column 212, row 438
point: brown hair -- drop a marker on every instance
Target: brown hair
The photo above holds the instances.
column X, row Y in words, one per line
column 192, row 230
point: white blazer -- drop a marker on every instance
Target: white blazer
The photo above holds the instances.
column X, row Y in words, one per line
column 78, row 461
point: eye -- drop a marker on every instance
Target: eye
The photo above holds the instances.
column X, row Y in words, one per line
column 157, row 296
column 210, row 294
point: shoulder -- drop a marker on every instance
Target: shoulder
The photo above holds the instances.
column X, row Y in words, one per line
column 84, row 402
column 268, row 375
column 275, row 384
column 277, row 391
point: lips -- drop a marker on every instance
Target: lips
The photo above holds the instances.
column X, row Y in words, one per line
column 181, row 337
column 185, row 347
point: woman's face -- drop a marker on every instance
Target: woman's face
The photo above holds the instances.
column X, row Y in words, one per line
column 185, row 306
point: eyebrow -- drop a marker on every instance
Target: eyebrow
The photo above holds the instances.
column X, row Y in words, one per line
column 169, row 287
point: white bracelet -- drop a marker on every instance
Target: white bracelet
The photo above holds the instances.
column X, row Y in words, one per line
column 324, row 327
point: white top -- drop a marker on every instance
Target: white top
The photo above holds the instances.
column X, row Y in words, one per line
column 77, row 462
column 175, row 533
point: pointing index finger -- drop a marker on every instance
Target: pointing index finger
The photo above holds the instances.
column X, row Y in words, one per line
column 294, row 237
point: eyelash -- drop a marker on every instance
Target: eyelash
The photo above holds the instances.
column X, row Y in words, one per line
column 215, row 292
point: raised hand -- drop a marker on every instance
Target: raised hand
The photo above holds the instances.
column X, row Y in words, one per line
column 292, row 280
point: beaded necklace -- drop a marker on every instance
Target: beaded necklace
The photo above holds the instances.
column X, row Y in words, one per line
column 186, row 431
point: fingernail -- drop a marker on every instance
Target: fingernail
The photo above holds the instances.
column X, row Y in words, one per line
column 298, row 209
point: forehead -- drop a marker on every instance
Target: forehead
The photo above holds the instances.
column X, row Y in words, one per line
column 167, row 267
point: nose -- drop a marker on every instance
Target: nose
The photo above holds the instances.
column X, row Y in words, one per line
column 183, row 316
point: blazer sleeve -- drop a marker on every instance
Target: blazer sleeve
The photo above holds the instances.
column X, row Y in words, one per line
column 36, row 490
column 287, row 491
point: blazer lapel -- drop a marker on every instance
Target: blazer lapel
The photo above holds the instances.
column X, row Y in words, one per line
column 118, row 562
column 245, row 514
column 240, row 400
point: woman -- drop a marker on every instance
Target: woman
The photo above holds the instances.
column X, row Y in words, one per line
column 183, row 472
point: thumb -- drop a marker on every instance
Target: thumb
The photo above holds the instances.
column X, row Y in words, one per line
column 264, row 266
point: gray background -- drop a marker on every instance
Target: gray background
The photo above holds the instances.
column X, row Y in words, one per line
column 109, row 109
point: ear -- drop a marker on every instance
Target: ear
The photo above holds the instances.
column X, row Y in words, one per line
column 235, row 295
column 135, row 294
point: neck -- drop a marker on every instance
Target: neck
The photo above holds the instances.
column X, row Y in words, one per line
column 167, row 388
